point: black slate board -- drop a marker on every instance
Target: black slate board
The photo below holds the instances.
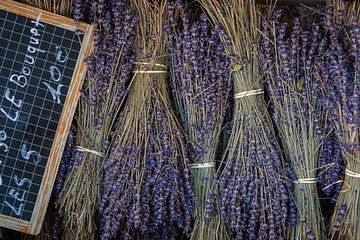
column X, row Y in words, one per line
column 27, row 129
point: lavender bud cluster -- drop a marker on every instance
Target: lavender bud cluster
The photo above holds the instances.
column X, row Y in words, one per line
column 200, row 80
column 146, row 189
column 331, row 169
column 339, row 71
column 254, row 197
column 66, row 164
column 290, row 57
column 110, row 65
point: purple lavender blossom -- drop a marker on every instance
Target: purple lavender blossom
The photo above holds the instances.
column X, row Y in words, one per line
column 160, row 201
column 253, row 208
column 66, row 163
column 146, row 189
column 290, row 58
column 109, row 72
column 331, row 167
column 78, row 11
column 200, row 82
column 338, row 75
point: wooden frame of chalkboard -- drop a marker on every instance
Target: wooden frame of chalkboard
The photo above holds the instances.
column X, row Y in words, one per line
column 37, row 217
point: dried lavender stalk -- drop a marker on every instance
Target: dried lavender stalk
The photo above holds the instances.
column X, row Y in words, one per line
column 62, row 7
column 339, row 75
column 290, row 58
column 201, row 84
column 109, row 69
column 146, row 190
column 253, row 194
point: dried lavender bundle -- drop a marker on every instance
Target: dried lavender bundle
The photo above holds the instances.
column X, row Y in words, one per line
column 109, row 69
column 289, row 58
column 62, row 7
column 147, row 193
column 253, row 194
column 339, row 76
column 200, row 82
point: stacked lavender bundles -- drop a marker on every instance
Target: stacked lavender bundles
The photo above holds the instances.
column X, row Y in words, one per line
column 289, row 58
column 339, row 76
column 200, row 82
column 109, row 69
column 253, row 194
column 147, row 193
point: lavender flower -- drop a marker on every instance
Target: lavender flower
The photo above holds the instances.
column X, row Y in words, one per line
column 290, row 58
column 200, row 82
column 105, row 88
column 253, row 195
column 77, row 11
column 146, row 189
column 66, row 163
column 331, row 167
column 338, row 74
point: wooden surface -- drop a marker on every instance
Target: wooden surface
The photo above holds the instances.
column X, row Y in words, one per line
column 34, row 226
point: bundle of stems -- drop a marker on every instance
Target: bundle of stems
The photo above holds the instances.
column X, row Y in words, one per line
column 146, row 189
column 339, row 75
column 200, row 82
column 253, row 194
column 289, row 58
column 62, row 7
column 109, row 70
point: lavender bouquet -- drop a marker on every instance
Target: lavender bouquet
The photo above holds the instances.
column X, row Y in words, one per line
column 200, row 82
column 146, row 189
column 253, row 194
column 339, row 77
column 109, row 69
column 289, row 57
column 62, row 7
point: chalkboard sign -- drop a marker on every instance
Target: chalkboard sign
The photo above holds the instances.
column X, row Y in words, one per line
column 41, row 73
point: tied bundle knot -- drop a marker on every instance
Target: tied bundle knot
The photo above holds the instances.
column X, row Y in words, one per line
column 82, row 149
column 351, row 173
column 151, row 71
column 306, row 181
column 203, row 165
column 248, row 93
